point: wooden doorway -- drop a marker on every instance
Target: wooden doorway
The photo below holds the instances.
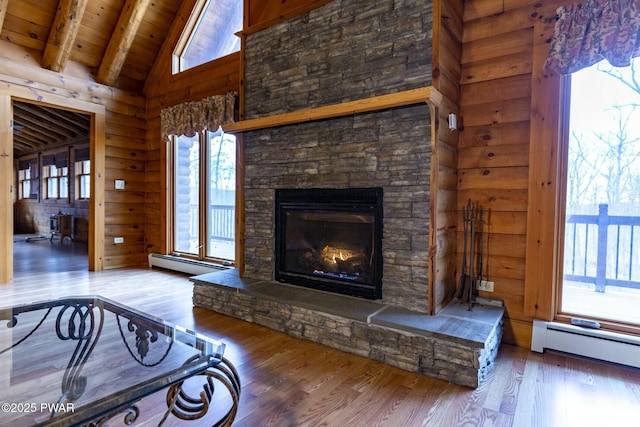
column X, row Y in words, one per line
column 8, row 184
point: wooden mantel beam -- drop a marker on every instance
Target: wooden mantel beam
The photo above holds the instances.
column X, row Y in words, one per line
column 63, row 33
column 121, row 40
column 408, row 97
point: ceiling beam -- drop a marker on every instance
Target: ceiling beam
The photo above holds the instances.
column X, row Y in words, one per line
column 121, row 41
column 81, row 122
column 63, row 34
column 40, row 118
column 36, row 123
column 51, row 115
column 21, row 144
column 3, row 11
column 36, row 137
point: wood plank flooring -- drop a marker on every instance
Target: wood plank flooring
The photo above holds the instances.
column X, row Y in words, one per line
column 290, row 382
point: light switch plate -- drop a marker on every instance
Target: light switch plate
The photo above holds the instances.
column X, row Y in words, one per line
column 119, row 184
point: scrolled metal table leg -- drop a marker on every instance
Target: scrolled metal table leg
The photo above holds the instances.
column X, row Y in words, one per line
column 130, row 413
column 187, row 407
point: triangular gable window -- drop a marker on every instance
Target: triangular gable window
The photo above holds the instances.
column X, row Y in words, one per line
column 209, row 33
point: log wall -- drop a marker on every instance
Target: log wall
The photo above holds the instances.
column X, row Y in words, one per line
column 120, row 149
column 494, row 159
column 447, row 51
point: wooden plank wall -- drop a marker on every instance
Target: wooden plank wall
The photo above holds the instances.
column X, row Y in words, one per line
column 497, row 58
column 447, row 51
column 124, row 144
column 125, row 158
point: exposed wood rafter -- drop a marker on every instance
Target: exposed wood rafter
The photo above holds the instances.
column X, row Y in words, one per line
column 121, row 40
column 37, row 128
column 63, row 34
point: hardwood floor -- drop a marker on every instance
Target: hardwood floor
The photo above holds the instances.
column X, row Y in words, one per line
column 290, row 382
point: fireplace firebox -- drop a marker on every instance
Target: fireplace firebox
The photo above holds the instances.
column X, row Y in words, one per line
column 330, row 239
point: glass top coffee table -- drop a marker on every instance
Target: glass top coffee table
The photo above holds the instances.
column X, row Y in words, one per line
column 85, row 360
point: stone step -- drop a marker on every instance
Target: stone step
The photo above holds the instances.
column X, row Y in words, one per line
column 457, row 344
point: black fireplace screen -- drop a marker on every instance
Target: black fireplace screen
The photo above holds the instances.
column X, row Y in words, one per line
column 330, row 239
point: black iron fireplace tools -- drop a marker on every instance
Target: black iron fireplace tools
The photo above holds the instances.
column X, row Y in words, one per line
column 471, row 272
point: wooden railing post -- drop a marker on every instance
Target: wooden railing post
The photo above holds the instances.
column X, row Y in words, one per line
column 603, row 225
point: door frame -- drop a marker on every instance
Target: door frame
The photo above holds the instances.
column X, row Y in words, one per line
column 97, row 113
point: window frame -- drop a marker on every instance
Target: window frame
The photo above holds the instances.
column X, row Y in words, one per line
column 52, row 178
column 548, row 157
column 82, row 168
column 188, row 33
column 203, row 222
column 33, row 179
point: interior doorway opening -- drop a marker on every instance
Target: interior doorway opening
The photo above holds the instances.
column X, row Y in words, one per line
column 8, row 174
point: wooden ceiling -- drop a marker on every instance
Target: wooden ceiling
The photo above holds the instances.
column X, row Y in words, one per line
column 118, row 42
column 37, row 128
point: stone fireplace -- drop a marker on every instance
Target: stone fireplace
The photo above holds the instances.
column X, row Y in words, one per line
column 347, row 50
column 330, row 239
column 344, row 51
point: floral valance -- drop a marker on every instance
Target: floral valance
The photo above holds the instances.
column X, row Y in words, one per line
column 587, row 33
column 192, row 117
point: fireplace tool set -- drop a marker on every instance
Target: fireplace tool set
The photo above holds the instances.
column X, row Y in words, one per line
column 471, row 273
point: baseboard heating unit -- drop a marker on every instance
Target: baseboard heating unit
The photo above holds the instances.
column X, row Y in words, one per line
column 594, row 343
column 184, row 265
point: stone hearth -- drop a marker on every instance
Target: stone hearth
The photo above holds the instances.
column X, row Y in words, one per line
column 456, row 345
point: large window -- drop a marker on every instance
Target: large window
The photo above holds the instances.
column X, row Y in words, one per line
column 209, row 34
column 601, row 277
column 204, row 195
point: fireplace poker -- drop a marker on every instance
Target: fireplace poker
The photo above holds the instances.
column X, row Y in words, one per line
column 471, row 257
column 480, row 237
column 464, row 256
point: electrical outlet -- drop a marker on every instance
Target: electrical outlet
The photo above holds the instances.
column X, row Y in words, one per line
column 117, row 240
column 485, row 285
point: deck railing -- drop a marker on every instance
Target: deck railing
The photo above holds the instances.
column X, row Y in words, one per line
column 222, row 222
column 603, row 250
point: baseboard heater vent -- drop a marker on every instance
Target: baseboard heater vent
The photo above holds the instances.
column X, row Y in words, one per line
column 594, row 343
column 184, row 265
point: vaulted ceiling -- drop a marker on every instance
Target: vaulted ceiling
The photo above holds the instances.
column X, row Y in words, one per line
column 118, row 41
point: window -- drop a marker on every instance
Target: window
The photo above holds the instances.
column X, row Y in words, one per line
column 55, row 176
column 209, row 34
column 82, row 172
column 28, row 179
column 601, row 278
column 83, row 179
column 204, row 195
column 56, row 182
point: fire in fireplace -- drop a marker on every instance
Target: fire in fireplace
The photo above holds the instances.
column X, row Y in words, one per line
column 330, row 239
